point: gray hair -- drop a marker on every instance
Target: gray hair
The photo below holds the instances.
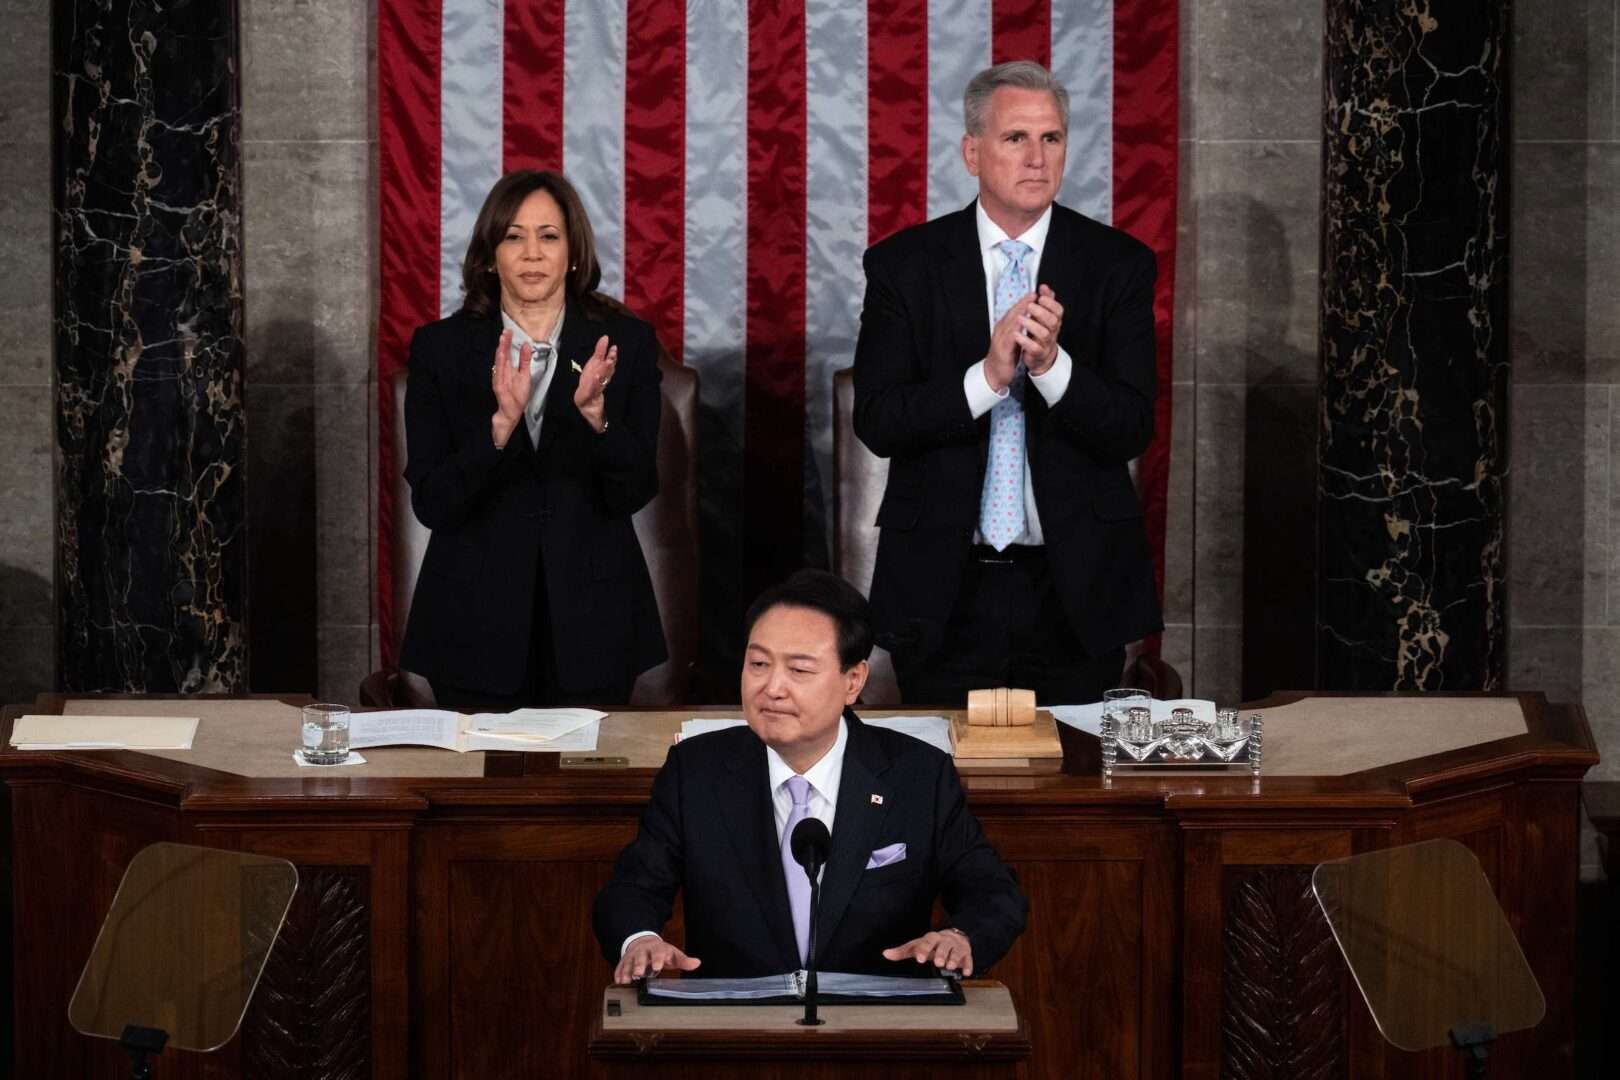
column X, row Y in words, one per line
column 1024, row 74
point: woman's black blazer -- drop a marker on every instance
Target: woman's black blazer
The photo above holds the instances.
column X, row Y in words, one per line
column 499, row 516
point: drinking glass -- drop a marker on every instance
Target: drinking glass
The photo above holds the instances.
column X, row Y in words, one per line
column 326, row 734
column 1117, row 705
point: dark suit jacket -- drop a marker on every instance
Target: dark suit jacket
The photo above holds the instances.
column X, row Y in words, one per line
column 500, row 516
column 709, row 832
column 924, row 323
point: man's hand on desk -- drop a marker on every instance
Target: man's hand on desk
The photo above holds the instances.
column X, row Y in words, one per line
column 950, row 950
column 648, row 956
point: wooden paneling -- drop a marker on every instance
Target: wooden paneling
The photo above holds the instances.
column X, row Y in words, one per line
column 1093, row 971
column 311, row 1013
column 72, row 846
column 525, row 971
column 1282, row 979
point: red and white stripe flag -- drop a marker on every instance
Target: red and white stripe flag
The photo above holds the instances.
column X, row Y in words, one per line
column 737, row 157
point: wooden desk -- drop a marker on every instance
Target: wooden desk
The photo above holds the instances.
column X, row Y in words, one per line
column 1171, row 928
column 980, row 1040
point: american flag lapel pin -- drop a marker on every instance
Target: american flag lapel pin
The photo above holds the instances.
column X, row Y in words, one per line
column 877, row 800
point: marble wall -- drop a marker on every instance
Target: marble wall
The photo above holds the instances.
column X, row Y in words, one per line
column 1564, row 320
column 27, row 597
column 1412, row 453
column 150, row 560
column 1246, row 342
column 309, row 152
column 1241, row 517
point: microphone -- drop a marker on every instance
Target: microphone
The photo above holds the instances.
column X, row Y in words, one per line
column 810, row 844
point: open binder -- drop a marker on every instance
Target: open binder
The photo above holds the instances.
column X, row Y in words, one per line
column 835, row 988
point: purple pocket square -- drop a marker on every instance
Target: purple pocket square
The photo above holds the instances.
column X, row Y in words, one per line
column 886, row 856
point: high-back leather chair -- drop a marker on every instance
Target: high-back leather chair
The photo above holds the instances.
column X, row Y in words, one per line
column 666, row 528
column 861, row 478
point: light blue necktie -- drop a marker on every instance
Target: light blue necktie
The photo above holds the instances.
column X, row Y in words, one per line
column 1001, row 504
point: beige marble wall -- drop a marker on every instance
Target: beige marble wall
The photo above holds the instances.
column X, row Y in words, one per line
column 309, row 236
column 1246, row 348
column 1564, row 499
column 27, row 597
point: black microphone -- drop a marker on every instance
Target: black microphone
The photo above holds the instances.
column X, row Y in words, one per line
column 810, row 844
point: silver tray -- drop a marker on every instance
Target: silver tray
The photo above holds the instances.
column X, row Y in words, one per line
column 1135, row 741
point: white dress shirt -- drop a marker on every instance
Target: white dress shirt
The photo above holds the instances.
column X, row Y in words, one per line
column 540, row 371
column 824, row 776
column 1052, row 383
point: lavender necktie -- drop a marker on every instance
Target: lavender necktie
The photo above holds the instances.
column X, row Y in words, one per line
column 798, row 882
column 1001, row 503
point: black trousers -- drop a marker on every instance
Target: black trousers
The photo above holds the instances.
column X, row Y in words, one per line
column 539, row 688
column 1009, row 629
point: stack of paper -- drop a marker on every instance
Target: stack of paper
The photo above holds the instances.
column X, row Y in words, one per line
column 552, row 730
column 104, row 732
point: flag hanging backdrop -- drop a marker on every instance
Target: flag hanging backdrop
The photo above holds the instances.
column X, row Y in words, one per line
column 736, row 158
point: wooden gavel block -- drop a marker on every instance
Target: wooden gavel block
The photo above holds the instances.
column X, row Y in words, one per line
column 1001, row 707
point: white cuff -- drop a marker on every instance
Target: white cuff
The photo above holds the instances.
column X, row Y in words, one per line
column 1054, row 380
column 632, row 937
column 981, row 397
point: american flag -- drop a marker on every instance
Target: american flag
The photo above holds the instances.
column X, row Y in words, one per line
column 736, row 158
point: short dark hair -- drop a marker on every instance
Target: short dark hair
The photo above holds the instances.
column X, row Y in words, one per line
column 817, row 590
column 479, row 281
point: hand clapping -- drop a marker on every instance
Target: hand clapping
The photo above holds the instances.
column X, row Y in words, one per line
column 511, row 386
column 1028, row 331
column 593, row 379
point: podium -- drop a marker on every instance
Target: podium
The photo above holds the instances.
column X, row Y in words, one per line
column 982, row 1039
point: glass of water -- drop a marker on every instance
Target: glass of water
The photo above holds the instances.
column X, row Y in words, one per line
column 326, row 734
column 1117, row 706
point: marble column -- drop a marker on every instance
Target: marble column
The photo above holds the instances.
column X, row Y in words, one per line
column 1412, row 451
column 150, row 559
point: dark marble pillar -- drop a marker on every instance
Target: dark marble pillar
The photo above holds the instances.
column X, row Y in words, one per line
column 1414, row 362
column 148, row 354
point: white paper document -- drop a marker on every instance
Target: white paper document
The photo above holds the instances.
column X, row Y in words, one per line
column 552, row 730
column 691, row 729
column 103, row 732
column 792, row 985
column 933, row 730
column 1088, row 718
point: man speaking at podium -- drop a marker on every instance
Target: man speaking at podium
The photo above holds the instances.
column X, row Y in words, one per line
column 724, row 805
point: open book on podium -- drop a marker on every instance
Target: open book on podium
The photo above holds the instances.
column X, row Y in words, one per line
column 835, row 988
column 981, row 1036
